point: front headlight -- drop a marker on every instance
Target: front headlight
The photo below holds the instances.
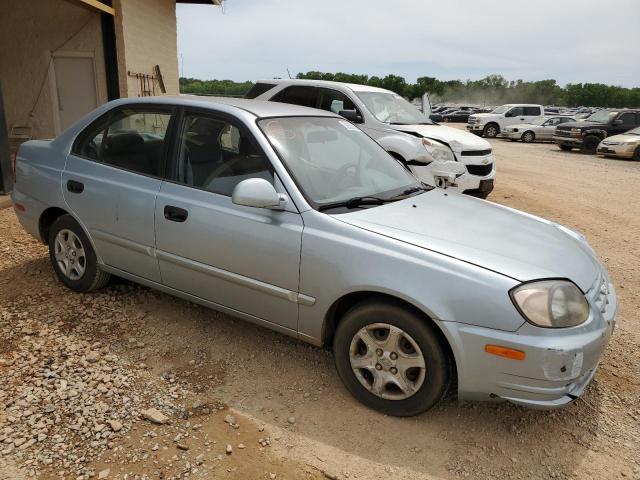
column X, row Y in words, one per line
column 438, row 151
column 551, row 303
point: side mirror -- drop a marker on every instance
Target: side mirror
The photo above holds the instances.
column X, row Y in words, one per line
column 617, row 122
column 509, row 114
column 258, row 193
column 351, row 115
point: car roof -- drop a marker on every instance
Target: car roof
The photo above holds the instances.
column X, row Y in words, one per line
column 259, row 108
column 325, row 83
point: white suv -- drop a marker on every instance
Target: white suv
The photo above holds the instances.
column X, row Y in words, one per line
column 405, row 132
column 491, row 124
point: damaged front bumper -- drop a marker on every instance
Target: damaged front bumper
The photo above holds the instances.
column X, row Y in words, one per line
column 559, row 363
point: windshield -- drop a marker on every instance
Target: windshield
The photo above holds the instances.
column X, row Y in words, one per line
column 501, row 109
column 601, row 117
column 331, row 160
column 392, row 108
column 635, row 131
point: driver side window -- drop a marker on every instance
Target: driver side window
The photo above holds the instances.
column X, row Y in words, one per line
column 215, row 155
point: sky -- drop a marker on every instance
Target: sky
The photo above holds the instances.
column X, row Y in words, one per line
column 571, row 41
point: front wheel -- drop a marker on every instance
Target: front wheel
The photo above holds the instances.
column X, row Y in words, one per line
column 73, row 258
column 491, row 131
column 391, row 359
column 590, row 144
column 528, row 137
column 636, row 154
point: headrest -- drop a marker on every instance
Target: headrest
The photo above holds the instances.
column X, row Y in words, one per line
column 126, row 142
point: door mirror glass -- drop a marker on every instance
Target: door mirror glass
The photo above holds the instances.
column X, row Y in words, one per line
column 617, row 122
column 351, row 115
column 510, row 113
column 257, row 193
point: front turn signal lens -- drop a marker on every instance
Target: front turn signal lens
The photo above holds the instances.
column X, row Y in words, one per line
column 505, row 352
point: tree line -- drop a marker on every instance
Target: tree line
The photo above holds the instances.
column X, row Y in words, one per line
column 491, row 90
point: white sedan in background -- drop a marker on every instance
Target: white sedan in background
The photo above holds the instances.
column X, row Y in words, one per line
column 540, row 129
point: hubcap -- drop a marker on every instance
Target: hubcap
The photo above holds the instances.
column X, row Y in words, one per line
column 387, row 361
column 70, row 255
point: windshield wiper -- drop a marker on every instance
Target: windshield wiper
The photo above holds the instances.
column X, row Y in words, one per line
column 356, row 202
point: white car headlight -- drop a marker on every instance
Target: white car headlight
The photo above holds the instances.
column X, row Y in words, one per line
column 551, row 303
column 438, row 151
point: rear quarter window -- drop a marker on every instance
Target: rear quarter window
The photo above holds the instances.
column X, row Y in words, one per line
column 258, row 89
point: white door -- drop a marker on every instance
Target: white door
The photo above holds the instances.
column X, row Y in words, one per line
column 75, row 84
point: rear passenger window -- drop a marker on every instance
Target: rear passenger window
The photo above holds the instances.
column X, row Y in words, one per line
column 531, row 110
column 298, row 95
column 215, row 155
column 130, row 138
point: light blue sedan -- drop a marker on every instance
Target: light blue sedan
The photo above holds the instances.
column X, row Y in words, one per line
column 296, row 220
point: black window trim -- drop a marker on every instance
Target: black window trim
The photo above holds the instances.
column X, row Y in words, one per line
column 106, row 117
column 270, row 85
column 172, row 167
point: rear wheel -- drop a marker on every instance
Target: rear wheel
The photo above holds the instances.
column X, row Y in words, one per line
column 491, row 130
column 390, row 359
column 528, row 137
column 590, row 144
column 636, row 154
column 73, row 258
column 566, row 148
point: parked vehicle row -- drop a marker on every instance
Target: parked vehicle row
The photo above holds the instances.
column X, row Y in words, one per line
column 589, row 133
column 297, row 220
column 491, row 124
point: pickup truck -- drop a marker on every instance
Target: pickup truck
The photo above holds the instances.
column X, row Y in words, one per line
column 587, row 134
column 491, row 124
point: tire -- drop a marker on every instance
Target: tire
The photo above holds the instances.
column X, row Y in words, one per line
column 73, row 258
column 491, row 130
column 636, row 154
column 528, row 137
column 590, row 144
column 566, row 148
column 426, row 372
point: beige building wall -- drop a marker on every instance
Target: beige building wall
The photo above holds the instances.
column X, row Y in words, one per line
column 146, row 35
column 29, row 31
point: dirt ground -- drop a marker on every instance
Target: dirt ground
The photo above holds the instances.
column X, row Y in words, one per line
column 292, row 415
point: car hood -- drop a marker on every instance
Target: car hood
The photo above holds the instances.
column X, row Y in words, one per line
column 582, row 124
column 621, row 137
column 498, row 238
column 444, row 134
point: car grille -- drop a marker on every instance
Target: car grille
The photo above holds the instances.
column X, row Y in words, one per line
column 563, row 133
column 475, row 153
column 480, row 170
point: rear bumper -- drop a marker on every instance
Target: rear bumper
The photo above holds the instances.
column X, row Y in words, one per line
column 558, row 367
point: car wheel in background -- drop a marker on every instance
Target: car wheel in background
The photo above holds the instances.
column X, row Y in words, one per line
column 566, row 148
column 73, row 258
column 491, row 130
column 391, row 359
column 528, row 137
column 590, row 144
column 636, row 154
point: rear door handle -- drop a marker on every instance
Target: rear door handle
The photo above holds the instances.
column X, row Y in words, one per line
column 74, row 186
column 175, row 214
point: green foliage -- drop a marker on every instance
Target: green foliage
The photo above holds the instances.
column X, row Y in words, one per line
column 491, row 90
column 226, row 88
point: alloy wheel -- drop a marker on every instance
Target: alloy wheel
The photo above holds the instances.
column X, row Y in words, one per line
column 70, row 255
column 387, row 361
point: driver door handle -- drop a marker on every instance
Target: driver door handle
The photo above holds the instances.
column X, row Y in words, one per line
column 175, row 214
